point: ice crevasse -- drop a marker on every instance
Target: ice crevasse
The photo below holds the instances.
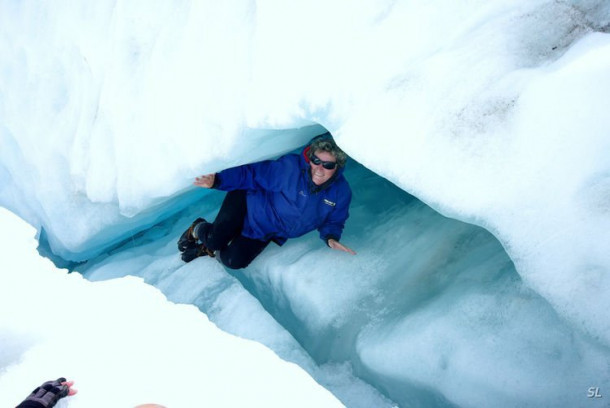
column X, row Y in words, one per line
column 492, row 113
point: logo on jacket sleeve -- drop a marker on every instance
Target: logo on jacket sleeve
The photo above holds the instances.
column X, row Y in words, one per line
column 328, row 202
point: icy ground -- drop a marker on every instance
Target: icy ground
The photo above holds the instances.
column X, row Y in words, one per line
column 429, row 307
column 124, row 344
column 493, row 113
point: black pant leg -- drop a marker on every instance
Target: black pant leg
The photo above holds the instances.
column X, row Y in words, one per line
column 228, row 223
column 241, row 251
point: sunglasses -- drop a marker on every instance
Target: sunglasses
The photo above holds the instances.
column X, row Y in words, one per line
column 328, row 165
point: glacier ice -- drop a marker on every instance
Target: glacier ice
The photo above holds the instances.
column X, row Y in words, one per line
column 493, row 113
column 54, row 323
column 429, row 308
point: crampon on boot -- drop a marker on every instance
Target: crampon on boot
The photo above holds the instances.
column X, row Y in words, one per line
column 187, row 239
column 195, row 250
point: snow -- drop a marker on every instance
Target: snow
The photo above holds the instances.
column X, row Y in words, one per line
column 125, row 344
column 493, row 113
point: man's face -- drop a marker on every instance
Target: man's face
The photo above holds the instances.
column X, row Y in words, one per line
column 320, row 174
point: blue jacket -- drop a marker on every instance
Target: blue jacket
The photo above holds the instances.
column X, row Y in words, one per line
column 283, row 202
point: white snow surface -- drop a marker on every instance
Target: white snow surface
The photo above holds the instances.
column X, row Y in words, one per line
column 491, row 112
column 125, row 344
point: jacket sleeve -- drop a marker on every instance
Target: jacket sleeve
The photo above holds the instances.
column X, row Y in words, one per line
column 333, row 226
column 268, row 175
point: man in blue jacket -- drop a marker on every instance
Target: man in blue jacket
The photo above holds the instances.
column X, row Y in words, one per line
column 273, row 200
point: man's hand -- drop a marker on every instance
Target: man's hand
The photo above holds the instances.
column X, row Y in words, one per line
column 334, row 244
column 206, row 181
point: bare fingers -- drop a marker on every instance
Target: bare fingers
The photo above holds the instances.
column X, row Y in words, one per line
column 71, row 391
column 338, row 246
column 206, row 181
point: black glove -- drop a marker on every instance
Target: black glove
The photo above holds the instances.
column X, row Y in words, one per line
column 47, row 395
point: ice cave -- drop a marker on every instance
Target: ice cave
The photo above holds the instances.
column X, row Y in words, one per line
column 479, row 144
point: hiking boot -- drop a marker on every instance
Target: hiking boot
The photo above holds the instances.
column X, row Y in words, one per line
column 187, row 238
column 195, row 251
